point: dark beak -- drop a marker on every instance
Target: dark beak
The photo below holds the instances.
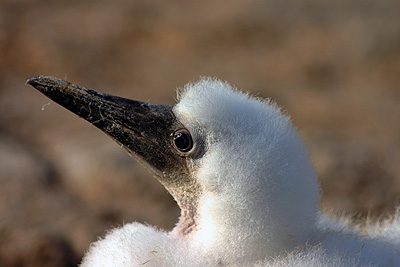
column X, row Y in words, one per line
column 144, row 129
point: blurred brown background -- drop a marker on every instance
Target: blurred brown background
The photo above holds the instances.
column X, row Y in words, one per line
column 334, row 66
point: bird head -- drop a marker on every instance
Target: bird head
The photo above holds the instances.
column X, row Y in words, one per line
column 235, row 164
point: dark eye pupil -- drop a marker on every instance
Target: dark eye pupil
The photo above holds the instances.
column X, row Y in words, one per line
column 183, row 141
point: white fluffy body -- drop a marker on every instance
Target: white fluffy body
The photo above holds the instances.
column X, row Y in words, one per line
column 259, row 204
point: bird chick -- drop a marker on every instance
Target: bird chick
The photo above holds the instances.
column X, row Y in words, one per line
column 240, row 173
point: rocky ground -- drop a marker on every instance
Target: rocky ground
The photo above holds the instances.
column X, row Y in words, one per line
column 334, row 66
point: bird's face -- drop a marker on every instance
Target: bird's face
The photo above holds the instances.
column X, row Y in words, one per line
column 217, row 150
column 149, row 132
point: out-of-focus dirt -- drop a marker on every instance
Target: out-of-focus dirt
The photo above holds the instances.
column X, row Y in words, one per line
column 333, row 65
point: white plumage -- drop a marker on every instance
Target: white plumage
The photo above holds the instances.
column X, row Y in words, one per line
column 258, row 199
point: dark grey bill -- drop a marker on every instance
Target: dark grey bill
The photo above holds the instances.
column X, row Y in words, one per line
column 144, row 129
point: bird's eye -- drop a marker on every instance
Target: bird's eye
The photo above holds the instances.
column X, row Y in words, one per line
column 183, row 140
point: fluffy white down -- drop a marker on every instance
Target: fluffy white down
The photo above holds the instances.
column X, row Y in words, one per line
column 260, row 198
column 139, row 245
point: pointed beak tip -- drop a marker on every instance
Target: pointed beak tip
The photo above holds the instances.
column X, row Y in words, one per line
column 38, row 80
column 32, row 81
column 43, row 83
column 35, row 81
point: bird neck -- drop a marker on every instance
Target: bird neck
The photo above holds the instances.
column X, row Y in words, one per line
column 252, row 231
column 185, row 225
column 187, row 200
